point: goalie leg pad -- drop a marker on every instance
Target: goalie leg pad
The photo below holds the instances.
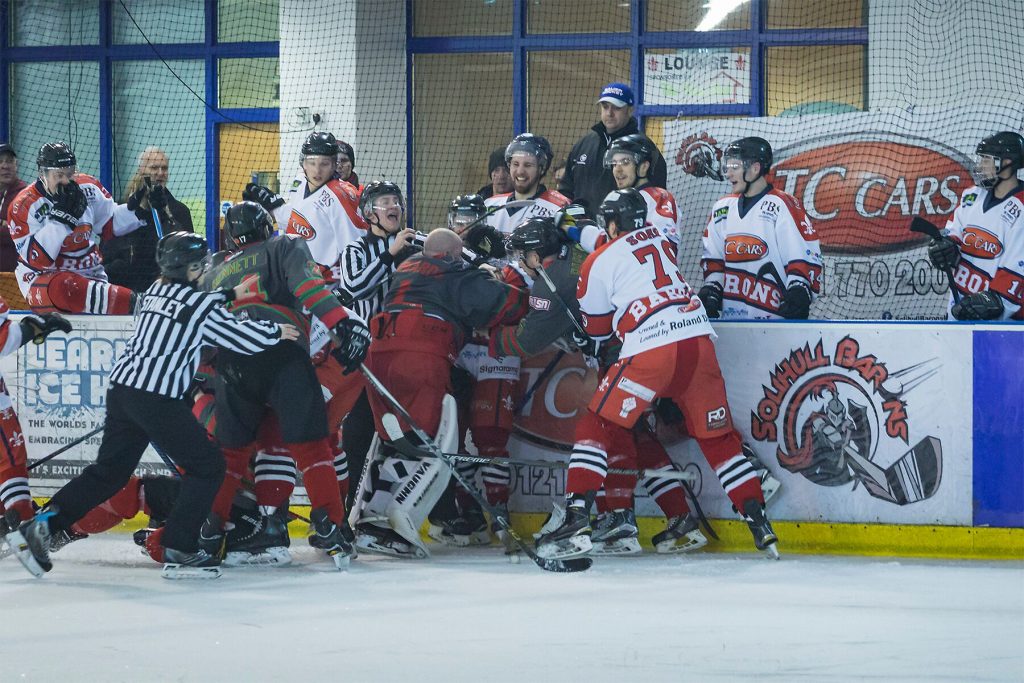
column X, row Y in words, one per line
column 415, row 498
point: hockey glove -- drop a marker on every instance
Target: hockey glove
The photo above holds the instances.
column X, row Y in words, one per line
column 36, row 328
column 352, row 343
column 134, row 202
column 711, row 296
column 985, row 305
column 796, row 302
column 263, row 196
column 944, row 253
column 69, row 204
column 485, row 242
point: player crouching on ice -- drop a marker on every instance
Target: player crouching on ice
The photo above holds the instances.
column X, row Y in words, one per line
column 632, row 288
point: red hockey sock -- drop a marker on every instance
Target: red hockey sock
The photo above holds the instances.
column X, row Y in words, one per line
column 237, row 461
column 738, row 476
column 123, row 505
column 318, row 475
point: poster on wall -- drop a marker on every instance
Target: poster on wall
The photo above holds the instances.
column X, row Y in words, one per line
column 717, row 75
column 861, row 177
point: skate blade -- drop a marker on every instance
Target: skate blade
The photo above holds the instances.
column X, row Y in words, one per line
column 270, row 557
column 181, row 572
column 5, row 550
column 771, row 551
column 372, row 545
column 341, row 560
column 623, row 546
column 438, row 534
column 577, row 546
column 681, row 545
column 21, row 550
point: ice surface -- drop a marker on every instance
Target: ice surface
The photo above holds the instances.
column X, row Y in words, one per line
column 104, row 614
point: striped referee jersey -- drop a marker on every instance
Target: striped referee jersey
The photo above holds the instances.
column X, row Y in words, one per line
column 366, row 269
column 176, row 321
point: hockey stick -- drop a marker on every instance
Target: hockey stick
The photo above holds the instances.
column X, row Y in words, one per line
column 545, row 373
column 156, row 215
column 514, row 204
column 770, row 270
column 565, row 307
column 66, row 447
column 572, row 565
column 918, row 224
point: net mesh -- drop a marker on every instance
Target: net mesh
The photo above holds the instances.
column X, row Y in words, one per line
column 873, row 109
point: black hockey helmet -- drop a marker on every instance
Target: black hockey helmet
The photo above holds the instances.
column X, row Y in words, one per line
column 248, row 223
column 749, row 150
column 534, row 145
column 56, row 155
column 347, row 150
column 626, row 207
column 176, row 252
column 378, row 188
column 636, row 144
column 1003, row 145
column 320, row 143
column 465, row 209
column 535, row 234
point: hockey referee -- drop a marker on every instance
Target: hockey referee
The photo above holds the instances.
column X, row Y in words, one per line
column 145, row 404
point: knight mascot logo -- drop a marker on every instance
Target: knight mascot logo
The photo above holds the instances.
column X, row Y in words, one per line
column 837, row 418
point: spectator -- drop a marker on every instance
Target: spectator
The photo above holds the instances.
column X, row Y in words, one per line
column 501, row 180
column 346, row 164
column 10, row 186
column 586, row 180
column 154, row 164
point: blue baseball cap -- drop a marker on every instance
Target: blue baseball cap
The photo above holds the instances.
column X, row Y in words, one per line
column 617, row 94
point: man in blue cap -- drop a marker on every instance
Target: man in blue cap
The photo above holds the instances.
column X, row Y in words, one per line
column 586, row 180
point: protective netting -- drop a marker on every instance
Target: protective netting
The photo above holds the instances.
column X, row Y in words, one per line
column 873, row 109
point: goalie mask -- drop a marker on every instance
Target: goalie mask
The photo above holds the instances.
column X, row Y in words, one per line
column 248, row 223
column 997, row 154
column 626, row 208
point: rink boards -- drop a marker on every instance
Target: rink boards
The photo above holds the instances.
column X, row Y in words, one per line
column 888, row 438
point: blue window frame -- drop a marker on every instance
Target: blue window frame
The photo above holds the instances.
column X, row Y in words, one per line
column 107, row 52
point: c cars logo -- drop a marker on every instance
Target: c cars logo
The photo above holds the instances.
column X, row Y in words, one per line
column 742, row 248
column 981, row 243
column 298, row 225
column 861, row 194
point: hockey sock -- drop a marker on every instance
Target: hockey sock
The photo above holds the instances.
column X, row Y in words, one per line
column 123, row 505
column 601, row 502
column 667, row 493
column 618, row 488
column 497, row 477
column 237, row 461
column 275, row 475
column 738, row 476
column 318, row 475
column 588, row 463
column 341, row 472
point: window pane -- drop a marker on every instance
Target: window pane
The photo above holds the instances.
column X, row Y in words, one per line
column 820, row 79
column 245, row 83
column 461, row 18
column 718, row 75
column 816, row 14
column 562, row 91
column 578, row 16
column 159, row 21
column 55, row 22
column 696, row 15
column 246, row 21
column 457, row 123
column 153, row 108
column 56, row 101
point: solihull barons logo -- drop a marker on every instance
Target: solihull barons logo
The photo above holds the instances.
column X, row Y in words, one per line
column 834, row 413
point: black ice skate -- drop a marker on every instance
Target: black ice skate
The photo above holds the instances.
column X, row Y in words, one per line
column 30, row 541
column 764, row 536
column 258, row 541
column 179, row 564
column 682, row 535
column 769, row 484
column 616, row 533
column 211, row 537
column 385, row 541
column 572, row 539
column 334, row 539
column 466, row 529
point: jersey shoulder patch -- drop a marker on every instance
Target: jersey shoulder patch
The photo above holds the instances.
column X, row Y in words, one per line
column 555, row 197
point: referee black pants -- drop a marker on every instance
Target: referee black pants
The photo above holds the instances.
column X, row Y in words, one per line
column 134, row 419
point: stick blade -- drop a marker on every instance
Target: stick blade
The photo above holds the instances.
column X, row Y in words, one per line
column 918, row 224
column 578, row 564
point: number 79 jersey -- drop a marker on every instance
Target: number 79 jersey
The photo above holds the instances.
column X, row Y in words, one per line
column 631, row 287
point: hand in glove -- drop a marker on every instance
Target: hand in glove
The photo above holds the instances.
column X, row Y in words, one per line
column 711, row 296
column 36, row 328
column 570, row 216
column 978, row 306
column 796, row 302
column 69, row 204
column 134, row 202
column 263, row 196
column 944, row 253
column 158, row 197
column 352, row 343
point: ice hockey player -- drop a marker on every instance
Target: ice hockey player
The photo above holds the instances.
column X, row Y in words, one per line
column 435, row 302
column 57, row 224
column 283, row 379
column 755, row 227
column 317, row 207
column 983, row 242
column 528, row 158
column 146, row 403
column 632, row 289
column 465, row 219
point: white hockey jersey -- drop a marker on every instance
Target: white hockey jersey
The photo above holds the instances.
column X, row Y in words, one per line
column 46, row 245
column 632, row 288
column 662, row 213
column 547, row 204
column 991, row 247
column 328, row 219
column 774, row 230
